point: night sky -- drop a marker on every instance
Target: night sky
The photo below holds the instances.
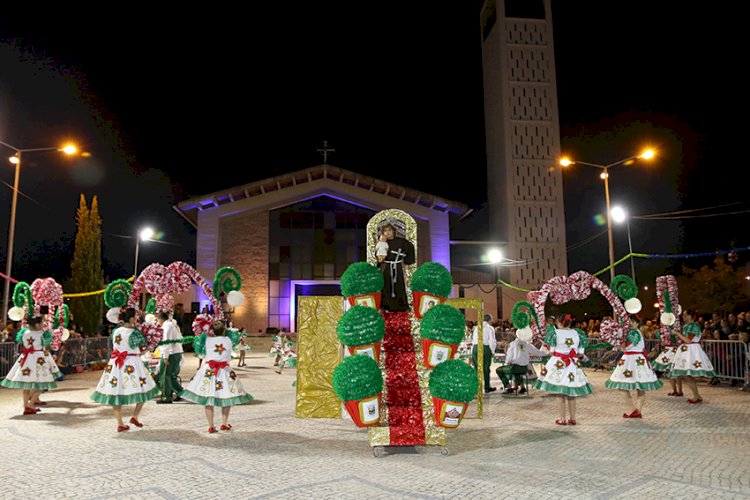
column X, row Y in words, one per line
column 396, row 89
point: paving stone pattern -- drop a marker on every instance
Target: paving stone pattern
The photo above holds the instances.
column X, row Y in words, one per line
column 72, row 450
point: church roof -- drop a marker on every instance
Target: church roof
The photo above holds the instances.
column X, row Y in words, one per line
column 190, row 208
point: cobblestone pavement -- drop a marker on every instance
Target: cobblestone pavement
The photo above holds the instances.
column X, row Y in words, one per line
column 72, row 450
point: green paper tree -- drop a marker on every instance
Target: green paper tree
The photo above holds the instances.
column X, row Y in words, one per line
column 361, row 278
column 454, row 380
column 360, row 325
column 432, row 278
column 443, row 323
column 357, row 377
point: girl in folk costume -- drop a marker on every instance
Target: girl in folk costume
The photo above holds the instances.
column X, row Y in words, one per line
column 690, row 360
column 125, row 379
column 216, row 384
column 562, row 374
column 288, row 358
column 663, row 363
column 31, row 372
column 633, row 372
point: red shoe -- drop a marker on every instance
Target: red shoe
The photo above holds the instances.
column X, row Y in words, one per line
column 561, row 422
column 135, row 422
column 30, row 411
column 121, row 428
column 695, row 401
column 635, row 414
column 226, row 427
column 679, row 394
column 212, row 430
column 571, row 422
column 40, row 403
column 672, row 394
column 626, row 415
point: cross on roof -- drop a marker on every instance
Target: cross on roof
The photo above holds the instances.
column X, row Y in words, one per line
column 325, row 152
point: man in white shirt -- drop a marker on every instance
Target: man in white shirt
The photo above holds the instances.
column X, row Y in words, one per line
column 171, row 358
column 517, row 364
column 488, row 338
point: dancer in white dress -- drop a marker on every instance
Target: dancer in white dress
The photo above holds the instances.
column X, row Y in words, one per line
column 126, row 380
column 690, row 360
column 633, row 372
column 663, row 363
column 215, row 383
column 31, row 372
column 562, row 374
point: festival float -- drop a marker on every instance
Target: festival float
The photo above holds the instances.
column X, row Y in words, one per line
column 396, row 383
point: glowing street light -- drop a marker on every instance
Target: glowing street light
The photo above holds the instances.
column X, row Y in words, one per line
column 144, row 234
column 646, row 154
column 68, row 149
column 619, row 215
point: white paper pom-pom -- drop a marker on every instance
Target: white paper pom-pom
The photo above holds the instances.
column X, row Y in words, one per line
column 16, row 313
column 667, row 319
column 525, row 334
column 150, row 318
column 113, row 315
column 633, row 306
column 235, row 298
column 65, row 334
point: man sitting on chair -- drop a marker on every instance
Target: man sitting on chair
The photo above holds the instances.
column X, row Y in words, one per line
column 516, row 364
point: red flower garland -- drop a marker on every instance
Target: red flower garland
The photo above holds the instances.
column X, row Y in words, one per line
column 669, row 284
column 202, row 324
column 153, row 333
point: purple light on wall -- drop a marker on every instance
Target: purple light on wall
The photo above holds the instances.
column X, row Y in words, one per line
column 304, row 284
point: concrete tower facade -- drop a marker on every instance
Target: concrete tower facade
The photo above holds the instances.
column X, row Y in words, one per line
column 524, row 189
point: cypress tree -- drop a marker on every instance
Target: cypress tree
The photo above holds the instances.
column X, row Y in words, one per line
column 87, row 274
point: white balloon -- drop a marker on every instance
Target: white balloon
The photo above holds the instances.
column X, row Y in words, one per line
column 525, row 334
column 65, row 334
column 113, row 315
column 667, row 319
column 150, row 318
column 16, row 313
column 235, row 298
column 633, row 306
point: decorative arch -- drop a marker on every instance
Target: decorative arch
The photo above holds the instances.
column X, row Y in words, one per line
column 578, row 286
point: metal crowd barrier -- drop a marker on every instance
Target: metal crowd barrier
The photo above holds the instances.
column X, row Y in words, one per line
column 76, row 354
column 729, row 358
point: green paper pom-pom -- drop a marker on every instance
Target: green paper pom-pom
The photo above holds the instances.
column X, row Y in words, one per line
column 357, row 377
column 432, row 278
column 22, row 295
column 624, row 287
column 454, row 380
column 443, row 323
column 65, row 311
column 361, row 278
column 360, row 325
column 117, row 293
column 226, row 279
column 667, row 302
column 151, row 306
column 522, row 314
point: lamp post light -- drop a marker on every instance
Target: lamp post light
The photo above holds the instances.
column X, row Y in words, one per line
column 620, row 215
column 645, row 155
column 495, row 256
column 68, row 149
column 144, row 234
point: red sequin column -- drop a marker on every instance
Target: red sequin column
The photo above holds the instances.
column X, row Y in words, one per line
column 403, row 396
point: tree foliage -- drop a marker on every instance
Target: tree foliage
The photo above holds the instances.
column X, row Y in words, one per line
column 718, row 288
column 86, row 267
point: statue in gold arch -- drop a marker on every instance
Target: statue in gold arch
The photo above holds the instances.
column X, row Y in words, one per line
column 389, row 233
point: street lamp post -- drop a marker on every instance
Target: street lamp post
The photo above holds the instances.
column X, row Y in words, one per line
column 620, row 215
column 144, row 234
column 646, row 155
column 16, row 160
